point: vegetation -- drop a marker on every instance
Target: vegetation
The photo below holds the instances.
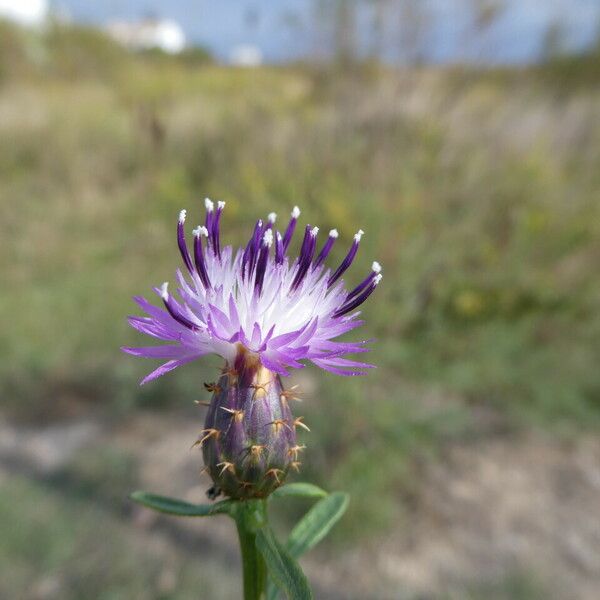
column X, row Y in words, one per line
column 478, row 192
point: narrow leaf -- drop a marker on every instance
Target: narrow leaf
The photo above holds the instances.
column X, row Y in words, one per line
column 317, row 523
column 282, row 568
column 173, row 506
column 300, row 489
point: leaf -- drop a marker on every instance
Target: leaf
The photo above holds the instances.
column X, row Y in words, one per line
column 282, row 568
column 172, row 506
column 317, row 523
column 300, row 489
column 313, row 527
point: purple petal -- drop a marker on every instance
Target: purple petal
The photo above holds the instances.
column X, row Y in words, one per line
column 165, row 368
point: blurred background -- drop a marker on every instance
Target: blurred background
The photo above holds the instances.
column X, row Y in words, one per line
column 463, row 136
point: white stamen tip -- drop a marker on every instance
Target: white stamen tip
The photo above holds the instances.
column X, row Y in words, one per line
column 164, row 293
column 279, row 238
column 200, row 230
column 272, row 217
column 376, row 267
column 377, row 279
column 334, row 233
column 209, row 204
column 220, row 204
column 268, row 238
column 295, row 212
column 358, row 235
column 182, row 214
column 314, row 231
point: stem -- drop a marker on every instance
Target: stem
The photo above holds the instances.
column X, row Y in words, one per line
column 251, row 515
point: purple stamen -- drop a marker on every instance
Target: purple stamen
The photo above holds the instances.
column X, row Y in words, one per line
column 210, row 209
column 305, row 243
column 289, row 232
column 263, row 257
column 306, row 255
column 185, row 253
column 199, row 256
column 254, row 251
column 348, row 260
column 279, row 252
column 352, row 304
column 248, row 257
column 173, row 309
column 214, row 232
column 375, row 270
column 333, row 234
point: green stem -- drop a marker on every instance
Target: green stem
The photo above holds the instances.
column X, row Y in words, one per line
column 250, row 516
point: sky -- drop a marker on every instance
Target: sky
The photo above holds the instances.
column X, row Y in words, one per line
column 285, row 29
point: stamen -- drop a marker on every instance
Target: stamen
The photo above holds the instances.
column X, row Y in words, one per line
column 210, row 207
column 348, row 260
column 306, row 255
column 272, row 217
column 173, row 308
column 354, row 303
column 267, row 242
column 214, row 232
column 289, row 232
column 199, row 255
column 251, row 248
column 258, row 233
column 375, row 270
column 278, row 249
column 185, row 253
column 333, row 235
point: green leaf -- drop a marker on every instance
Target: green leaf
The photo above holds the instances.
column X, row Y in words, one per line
column 313, row 527
column 300, row 489
column 282, row 568
column 317, row 523
column 173, row 506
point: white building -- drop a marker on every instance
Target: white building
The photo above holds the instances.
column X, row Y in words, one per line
column 164, row 34
column 29, row 13
column 246, row 55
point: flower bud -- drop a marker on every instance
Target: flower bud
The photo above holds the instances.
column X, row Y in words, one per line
column 249, row 440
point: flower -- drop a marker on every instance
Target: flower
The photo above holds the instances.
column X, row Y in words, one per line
column 258, row 301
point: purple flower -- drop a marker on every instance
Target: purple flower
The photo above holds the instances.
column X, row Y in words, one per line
column 257, row 301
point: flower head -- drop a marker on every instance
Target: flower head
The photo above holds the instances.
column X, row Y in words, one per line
column 257, row 301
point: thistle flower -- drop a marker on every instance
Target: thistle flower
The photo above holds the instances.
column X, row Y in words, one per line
column 264, row 313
